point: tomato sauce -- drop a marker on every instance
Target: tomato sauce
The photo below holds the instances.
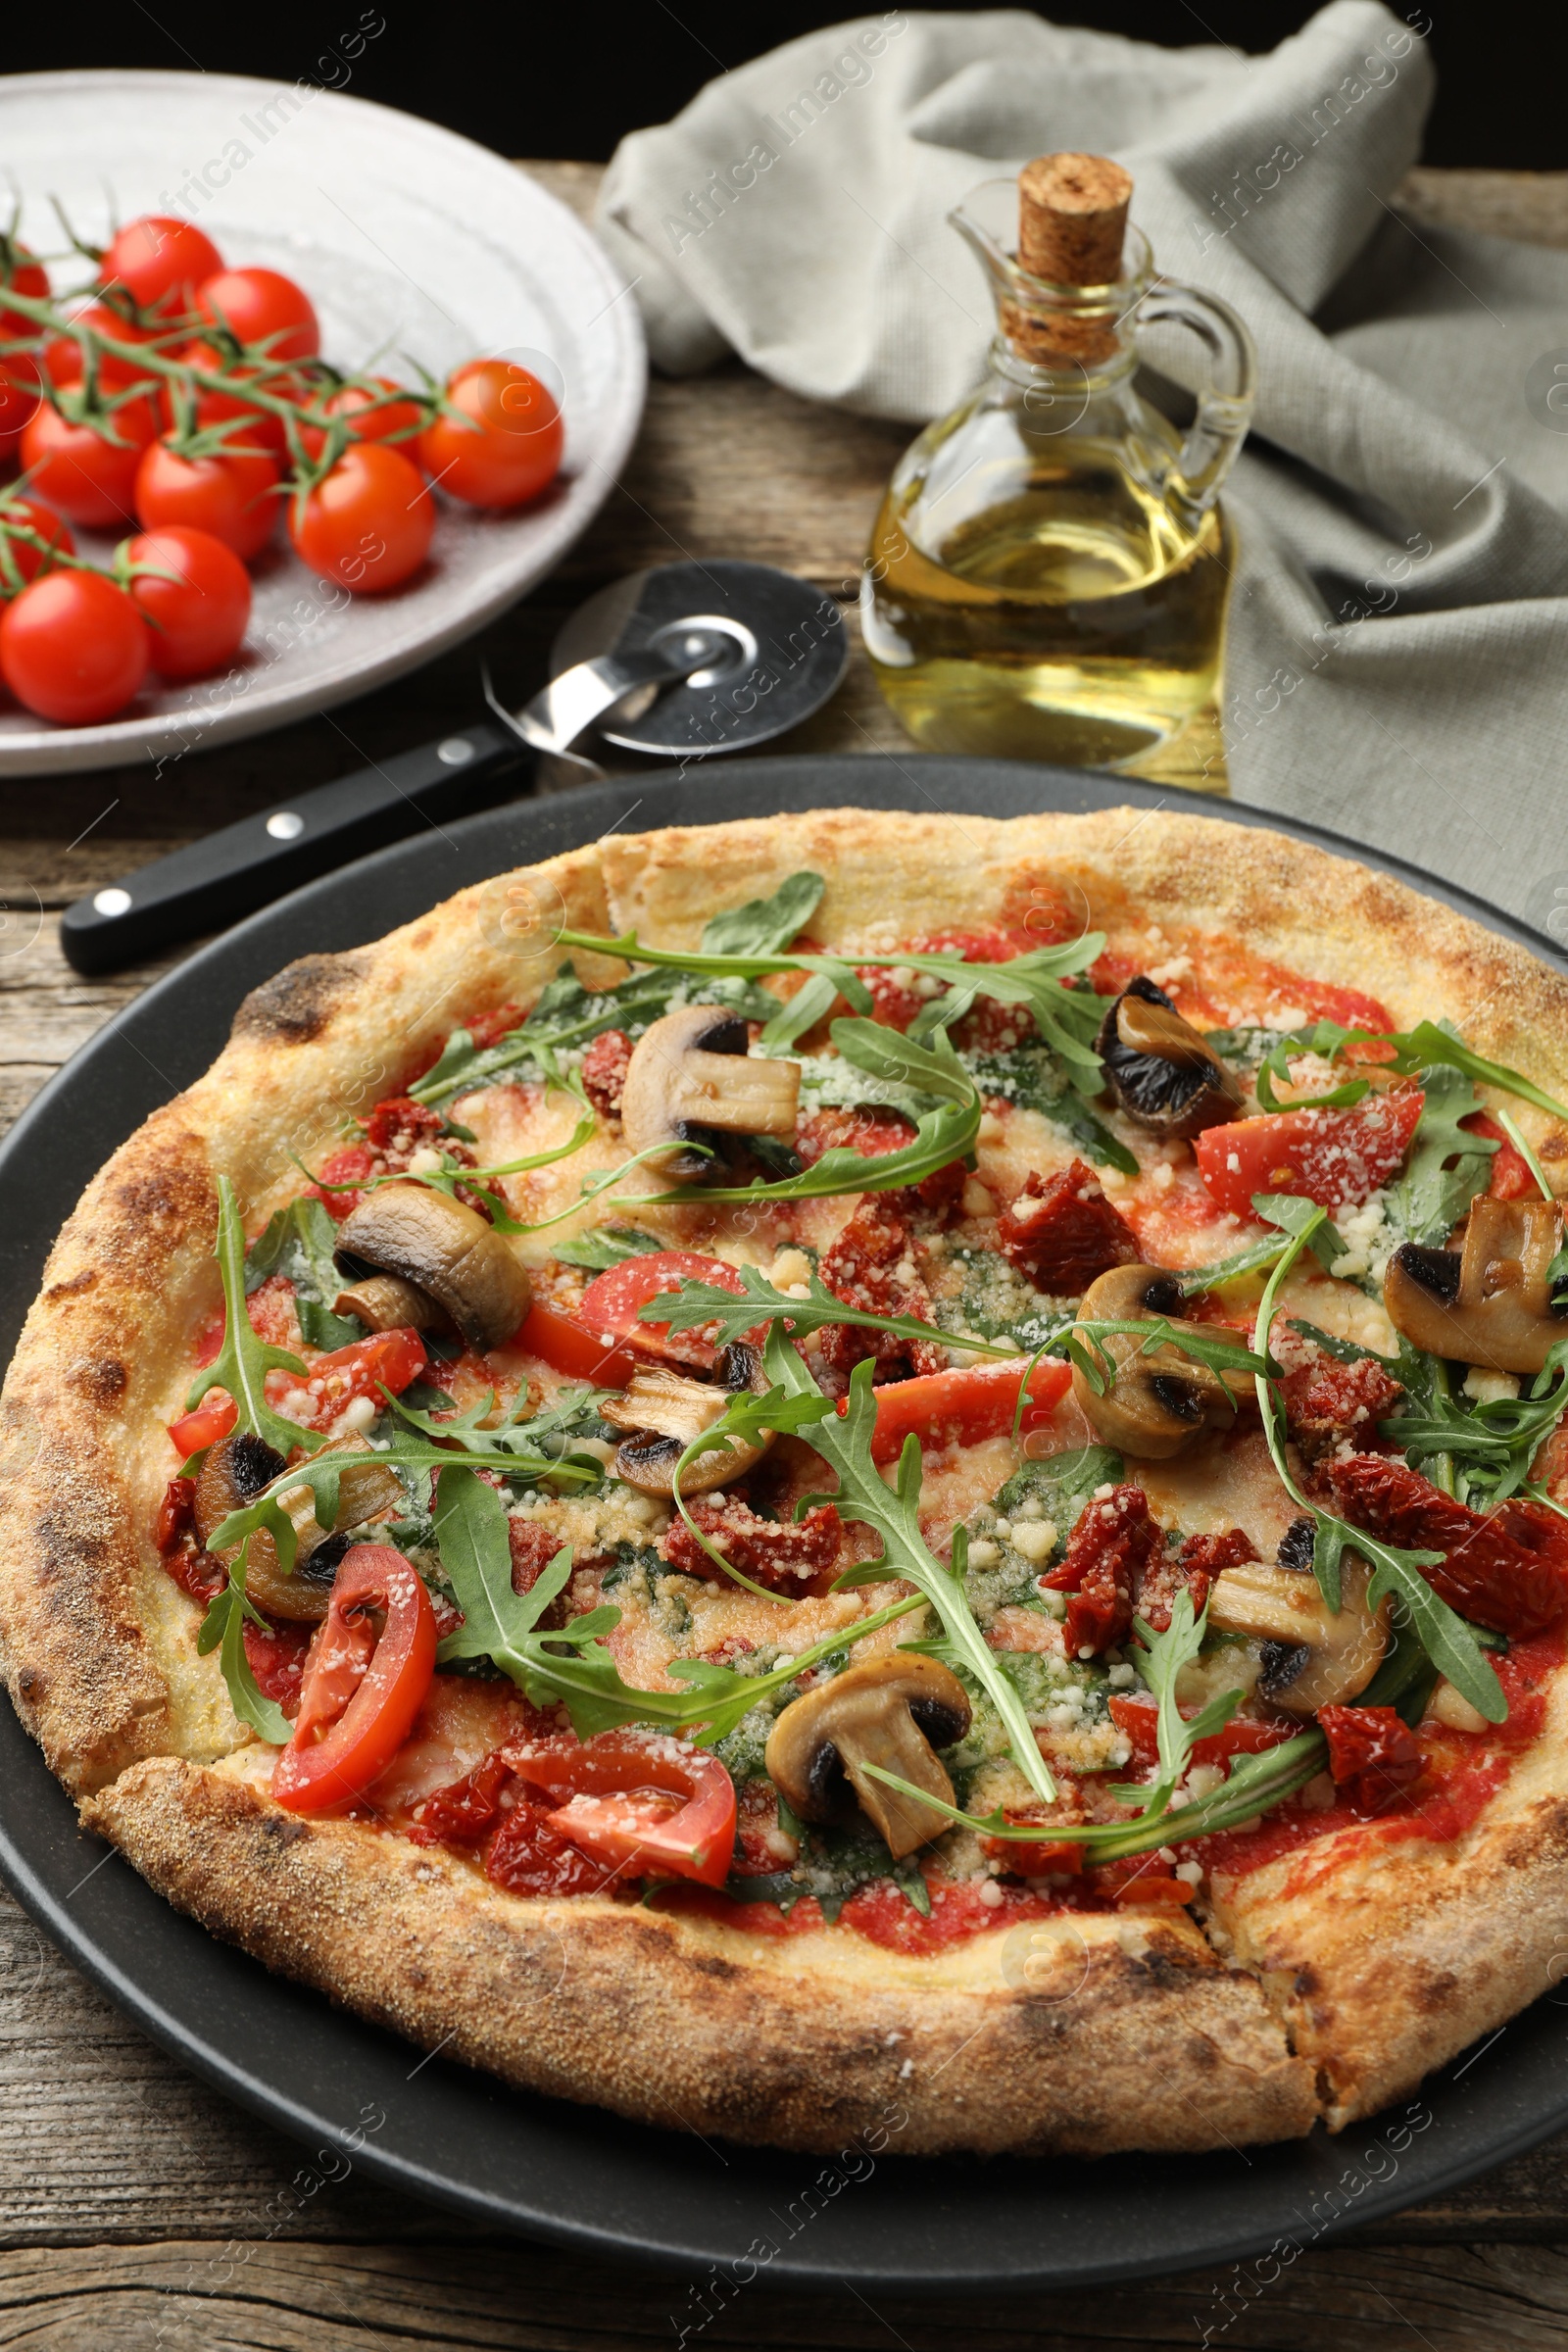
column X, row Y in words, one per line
column 884, row 1915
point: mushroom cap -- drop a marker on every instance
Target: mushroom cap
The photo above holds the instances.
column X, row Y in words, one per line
column 1284, row 1609
column 1489, row 1302
column 1166, row 1077
column 386, row 1302
column 692, row 1082
column 893, row 1711
column 237, row 1470
column 1159, row 1404
column 445, row 1250
column 666, row 1410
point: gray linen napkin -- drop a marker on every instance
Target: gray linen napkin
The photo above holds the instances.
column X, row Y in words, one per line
column 1399, row 625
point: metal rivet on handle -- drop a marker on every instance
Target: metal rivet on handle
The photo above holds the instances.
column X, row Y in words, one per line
column 454, row 752
column 112, row 902
column 285, row 824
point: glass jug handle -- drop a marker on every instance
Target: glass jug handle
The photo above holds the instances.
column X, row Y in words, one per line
column 1224, row 404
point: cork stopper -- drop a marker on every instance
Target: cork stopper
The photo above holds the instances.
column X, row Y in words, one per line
column 1073, row 221
column 1072, row 218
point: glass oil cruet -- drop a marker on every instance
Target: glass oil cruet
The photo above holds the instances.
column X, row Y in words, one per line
column 1048, row 573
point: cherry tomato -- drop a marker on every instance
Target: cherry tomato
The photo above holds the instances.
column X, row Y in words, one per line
column 31, row 515
column 959, row 1408
column 609, row 1307
column 72, row 647
column 369, row 419
column 196, row 620
column 26, row 276
column 563, row 1342
column 640, row 1803
column 360, row 1696
column 264, row 427
column 388, row 1359
column 261, row 306
column 63, row 359
column 229, row 497
column 1334, row 1158
column 505, row 444
column 212, row 1418
column 368, row 524
column 159, row 257
column 18, row 399
column 73, row 468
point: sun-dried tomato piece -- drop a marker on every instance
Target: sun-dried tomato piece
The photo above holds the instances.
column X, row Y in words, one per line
column 1194, row 1567
column 871, row 1130
column 461, row 1813
column 1063, row 1233
column 1371, row 1753
column 276, row 1656
column 1508, row 1570
column 604, row 1070
column 401, row 1125
column 1112, row 1547
column 871, row 1266
column 174, row 1513
column 784, row 1554
column 199, row 1573
column 527, row 1856
column 533, row 1547
column 1328, row 1403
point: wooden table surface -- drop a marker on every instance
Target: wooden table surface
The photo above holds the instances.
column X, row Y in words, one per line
column 140, row 2208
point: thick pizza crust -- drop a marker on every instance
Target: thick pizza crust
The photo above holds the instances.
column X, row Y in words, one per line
column 1097, row 2035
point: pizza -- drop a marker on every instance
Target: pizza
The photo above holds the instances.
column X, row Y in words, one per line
column 845, row 1467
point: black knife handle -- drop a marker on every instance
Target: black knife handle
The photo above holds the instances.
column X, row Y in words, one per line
column 228, row 873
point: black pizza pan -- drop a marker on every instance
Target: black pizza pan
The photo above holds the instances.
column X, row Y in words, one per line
column 725, row 2216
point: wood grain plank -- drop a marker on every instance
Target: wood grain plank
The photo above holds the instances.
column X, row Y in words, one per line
column 287, row 2297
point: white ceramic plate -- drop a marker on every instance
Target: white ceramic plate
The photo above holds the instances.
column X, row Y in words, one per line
column 408, row 240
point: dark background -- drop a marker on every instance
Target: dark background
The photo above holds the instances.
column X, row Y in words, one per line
column 570, row 79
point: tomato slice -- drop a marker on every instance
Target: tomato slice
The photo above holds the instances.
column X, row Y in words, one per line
column 640, row 1802
column 959, row 1407
column 362, row 1691
column 1334, row 1158
column 610, row 1303
column 212, row 1419
column 563, row 1342
column 387, row 1359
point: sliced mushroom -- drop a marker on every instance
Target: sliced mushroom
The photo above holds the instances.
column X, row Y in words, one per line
column 1164, row 1075
column 895, row 1712
column 1314, row 1657
column 1489, row 1304
column 237, row 1470
column 690, row 1082
column 442, row 1248
column 386, row 1302
column 1158, row 1405
column 665, row 1410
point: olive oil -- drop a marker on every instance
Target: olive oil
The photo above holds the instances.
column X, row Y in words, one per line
column 1048, row 573
column 1070, row 617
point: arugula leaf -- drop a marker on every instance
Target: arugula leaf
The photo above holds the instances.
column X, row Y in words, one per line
column 1430, row 1199
column 1067, row 1018
column 223, row 1629
column 1164, row 1656
column 1491, row 1446
column 607, row 1246
column 844, row 1441
column 697, row 1304
column 298, row 1243
column 1290, row 1214
column 520, row 1446
column 765, row 926
column 1434, row 1044
column 809, row 1005
column 1064, row 1485
column 1447, row 1639
column 243, row 1361
column 1255, row 1782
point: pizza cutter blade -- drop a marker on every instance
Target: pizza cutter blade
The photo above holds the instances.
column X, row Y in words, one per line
column 687, row 661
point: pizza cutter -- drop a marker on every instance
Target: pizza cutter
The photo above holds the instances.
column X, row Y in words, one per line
column 683, row 662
